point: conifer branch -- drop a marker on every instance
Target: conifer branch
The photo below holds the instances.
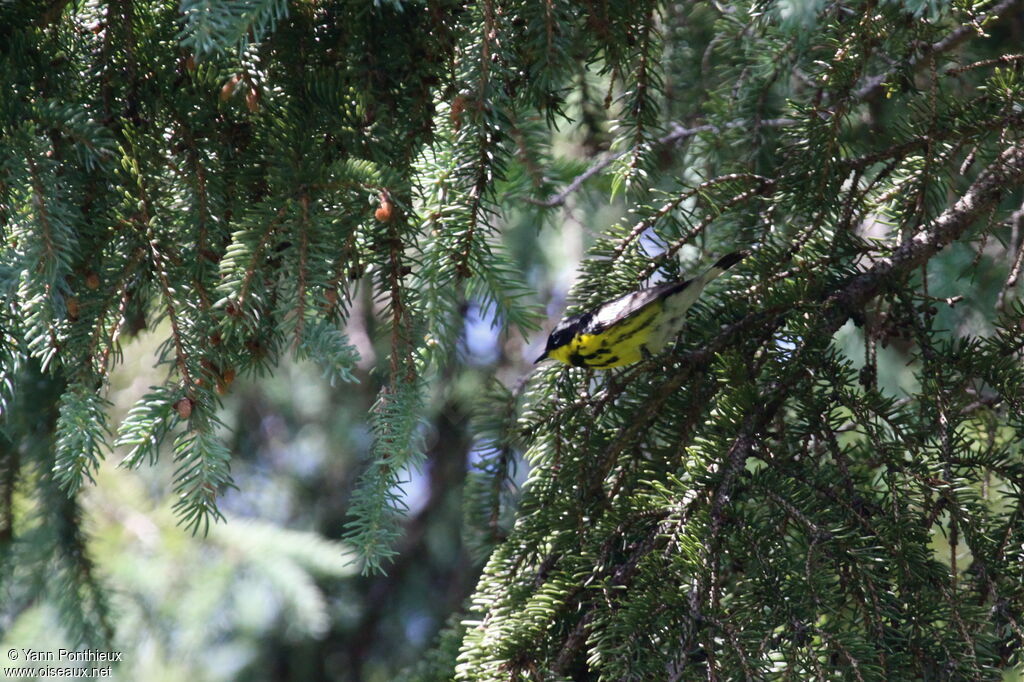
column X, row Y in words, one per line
column 1006, row 59
column 122, row 295
column 674, row 203
column 166, row 290
column 876, row 84
column 49, row 262
column 764, row 187
column 197, row 176
column 678, row 134
column 50, row 252
column 300, row 304
column 640, row 90
column 345, row 266
column 1016, row 221
column 486, row 142
column 400, row 345
column 1004, row 174
column 252, row 269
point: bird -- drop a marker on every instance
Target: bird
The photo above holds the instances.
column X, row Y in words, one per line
column 633, row 327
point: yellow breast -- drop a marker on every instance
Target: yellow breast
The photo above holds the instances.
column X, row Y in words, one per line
column 621, row 344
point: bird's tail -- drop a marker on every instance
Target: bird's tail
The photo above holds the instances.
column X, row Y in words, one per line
column 729, row 260
column 720, row 266
column 682, row 296
column 685, row 293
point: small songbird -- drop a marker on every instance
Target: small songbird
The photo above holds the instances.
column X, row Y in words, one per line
column 632, row 327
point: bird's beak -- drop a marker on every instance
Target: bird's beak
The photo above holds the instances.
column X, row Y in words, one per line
column 543, row 356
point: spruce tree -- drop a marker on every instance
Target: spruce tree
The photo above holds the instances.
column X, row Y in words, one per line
column 773, row 497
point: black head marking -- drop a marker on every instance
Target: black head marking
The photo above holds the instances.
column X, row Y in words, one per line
column 558, row 338
column 566, row 330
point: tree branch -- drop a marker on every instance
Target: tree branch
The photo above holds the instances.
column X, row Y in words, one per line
column 874, row 85
column 1005, row 173
column 678, row 135
column 870, row 90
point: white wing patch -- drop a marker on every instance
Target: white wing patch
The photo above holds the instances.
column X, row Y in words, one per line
column 628, row 305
